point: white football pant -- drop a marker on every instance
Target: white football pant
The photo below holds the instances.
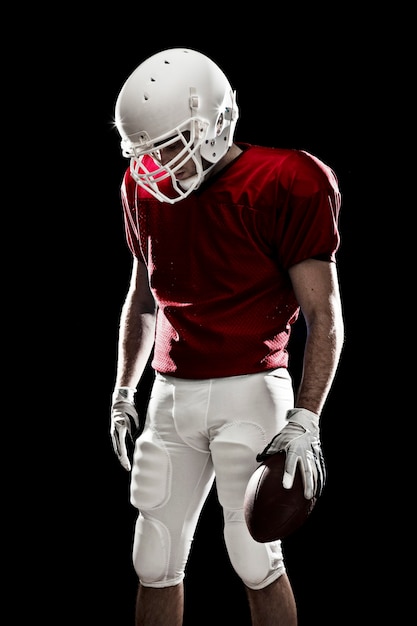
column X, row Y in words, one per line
column 198, row 430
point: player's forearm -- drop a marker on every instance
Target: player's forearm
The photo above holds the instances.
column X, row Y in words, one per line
column 136, row 339
column 323, row 348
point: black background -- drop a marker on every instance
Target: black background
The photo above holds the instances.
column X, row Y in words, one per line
column 303, row 81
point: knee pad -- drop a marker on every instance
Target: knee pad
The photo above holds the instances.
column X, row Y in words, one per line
column 257, row 564
column 151, row 550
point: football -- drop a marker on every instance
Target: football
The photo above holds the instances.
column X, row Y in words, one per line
column 272, row 512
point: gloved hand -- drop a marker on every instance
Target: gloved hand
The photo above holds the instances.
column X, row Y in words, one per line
column 300, row 439
column 124, row 422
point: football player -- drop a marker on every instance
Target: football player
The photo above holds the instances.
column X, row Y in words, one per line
column 230, row 243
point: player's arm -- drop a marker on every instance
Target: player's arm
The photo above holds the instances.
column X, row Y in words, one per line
column 316, row 287
column 136, row 338
column 137, row 328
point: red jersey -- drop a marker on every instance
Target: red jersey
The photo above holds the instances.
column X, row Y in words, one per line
column 218, row 260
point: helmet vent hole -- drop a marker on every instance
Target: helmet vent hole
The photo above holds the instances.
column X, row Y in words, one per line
column 146, row 96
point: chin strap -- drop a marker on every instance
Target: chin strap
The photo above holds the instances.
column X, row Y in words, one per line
column 189, row 182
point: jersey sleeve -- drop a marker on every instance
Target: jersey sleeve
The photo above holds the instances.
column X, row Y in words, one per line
column 308, row 225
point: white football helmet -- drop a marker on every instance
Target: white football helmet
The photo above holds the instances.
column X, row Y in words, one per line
column 175, row 95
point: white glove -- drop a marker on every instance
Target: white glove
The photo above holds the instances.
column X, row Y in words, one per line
column 124, row 422
column 300, row 439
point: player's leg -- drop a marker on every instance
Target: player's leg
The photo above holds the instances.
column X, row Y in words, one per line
column 273, row 605
column 159, row 607
column 170, row 482
column 258, row 404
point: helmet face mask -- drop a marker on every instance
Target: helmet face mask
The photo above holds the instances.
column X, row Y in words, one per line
column 178, row 96
column 189, row 143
